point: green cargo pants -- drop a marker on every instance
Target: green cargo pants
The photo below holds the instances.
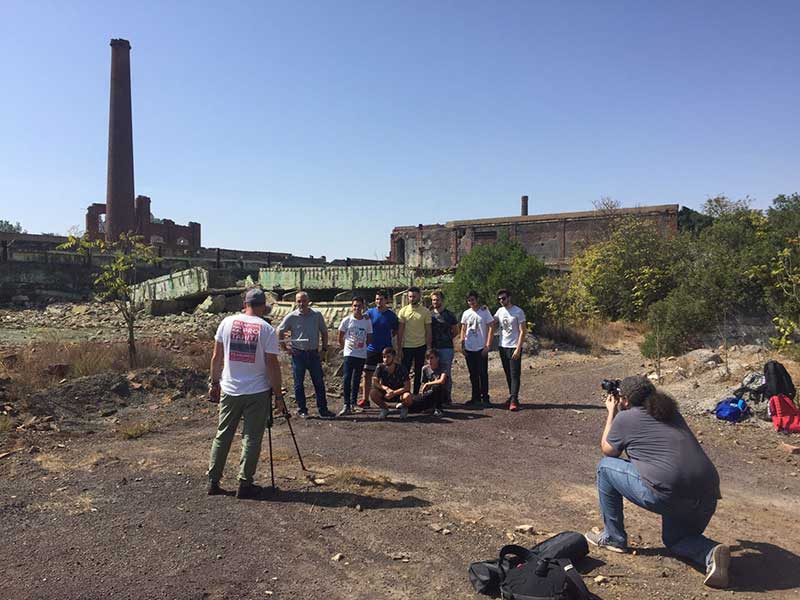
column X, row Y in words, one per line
column 257, row 411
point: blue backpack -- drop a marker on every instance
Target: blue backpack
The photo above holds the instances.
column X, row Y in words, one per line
column 732, row 409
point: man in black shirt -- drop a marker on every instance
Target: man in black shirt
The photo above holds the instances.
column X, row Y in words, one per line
column 444, row 327
column 390, row 382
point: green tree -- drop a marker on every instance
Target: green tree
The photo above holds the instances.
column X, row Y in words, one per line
column 9, row 227
column 563, row 302
column 488, row 268
column 628, row 272
column 113, row 283
column 722, row 205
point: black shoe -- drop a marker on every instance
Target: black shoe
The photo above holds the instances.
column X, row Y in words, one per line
column 326, row 414
column 213, row 488
column 303, row 414
column 249, row 491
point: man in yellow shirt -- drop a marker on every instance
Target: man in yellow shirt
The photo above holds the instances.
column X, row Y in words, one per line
column 414, row 334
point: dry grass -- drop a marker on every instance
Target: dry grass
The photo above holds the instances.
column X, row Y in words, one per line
column 6, row 424
column 36, row 368
column 132, row 431
column 595, row 336
column 359, row 479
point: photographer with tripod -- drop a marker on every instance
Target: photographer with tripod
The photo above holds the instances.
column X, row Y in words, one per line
column 245, row 374
column 668, row 473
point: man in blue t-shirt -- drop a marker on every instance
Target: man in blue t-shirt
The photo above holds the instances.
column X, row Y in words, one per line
column 384, row 326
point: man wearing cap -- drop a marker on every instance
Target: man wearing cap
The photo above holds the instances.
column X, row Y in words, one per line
column 245, row 375
column 303, row 328
column 667, row 473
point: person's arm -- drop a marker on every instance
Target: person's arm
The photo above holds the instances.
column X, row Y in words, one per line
column 215, row 371
column 341, row 339
column 489, row 334
column 612, row 404
column 463, row 337
column 274, row 374
column 283, row 333
column 428, row 333
column 401, row 332
column 523, row 329
column 323, row 330
column 369, row 331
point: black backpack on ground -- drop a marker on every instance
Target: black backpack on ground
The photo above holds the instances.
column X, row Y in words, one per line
column 778, row 381
column 514, row 573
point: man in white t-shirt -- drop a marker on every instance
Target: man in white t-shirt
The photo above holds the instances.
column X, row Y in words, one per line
column 245, row 374
column 511, row 320
column 355, row 332
column 476, row 340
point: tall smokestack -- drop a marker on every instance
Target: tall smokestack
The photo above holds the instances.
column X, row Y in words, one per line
column 120, row 216
column 524, row 206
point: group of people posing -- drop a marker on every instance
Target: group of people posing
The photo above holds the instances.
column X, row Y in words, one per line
column 386, row 349
column 666, row 471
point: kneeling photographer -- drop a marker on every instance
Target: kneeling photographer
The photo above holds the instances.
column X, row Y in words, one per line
column 668, row 473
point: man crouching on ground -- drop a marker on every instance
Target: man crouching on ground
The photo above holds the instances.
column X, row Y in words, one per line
column 668, row 474
column 244, row 373
column 390, row 382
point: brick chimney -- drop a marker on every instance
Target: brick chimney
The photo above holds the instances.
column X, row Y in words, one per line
column 120, row 215
column 524, row 206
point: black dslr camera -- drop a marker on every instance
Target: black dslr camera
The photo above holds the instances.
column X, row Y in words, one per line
column 611, row 386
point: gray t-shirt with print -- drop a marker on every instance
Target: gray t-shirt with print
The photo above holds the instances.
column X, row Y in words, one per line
column 305, row 328
column 667, row 455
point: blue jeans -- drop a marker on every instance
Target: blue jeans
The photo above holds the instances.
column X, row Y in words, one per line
column 446, row 362
column 308, row 360
column 353, row 367
column 683, row 520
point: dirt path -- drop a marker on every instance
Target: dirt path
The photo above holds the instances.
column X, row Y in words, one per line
column 98, row 516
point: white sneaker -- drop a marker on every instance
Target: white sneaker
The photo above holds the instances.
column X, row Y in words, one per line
column 383, row 413
column 717, row 571
column 346, row 410
column 438, row 413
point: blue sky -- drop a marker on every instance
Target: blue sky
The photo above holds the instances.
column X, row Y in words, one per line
column 315, row 127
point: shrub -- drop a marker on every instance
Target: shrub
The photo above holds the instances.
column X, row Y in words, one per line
column 488, row 268
column 676, row 323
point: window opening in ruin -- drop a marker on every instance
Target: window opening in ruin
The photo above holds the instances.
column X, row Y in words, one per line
column 156, row 239
column 183, row 242
column 400, row 251
column 101, row 223
column 485, row 235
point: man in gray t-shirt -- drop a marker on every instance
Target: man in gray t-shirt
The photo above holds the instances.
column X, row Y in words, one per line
column 299, row 333
column 668, row 473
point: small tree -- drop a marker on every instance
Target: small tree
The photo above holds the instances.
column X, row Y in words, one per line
column 488, row 268
column 9, row 227
column 116, row 277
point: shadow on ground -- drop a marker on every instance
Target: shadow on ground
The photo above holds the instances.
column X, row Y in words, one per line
column 330, row 499
column 763, row 567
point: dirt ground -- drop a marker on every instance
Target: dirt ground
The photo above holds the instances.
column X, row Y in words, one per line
column 393, row 509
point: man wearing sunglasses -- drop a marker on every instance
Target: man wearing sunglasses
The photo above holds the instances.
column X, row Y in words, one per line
column 511, row 320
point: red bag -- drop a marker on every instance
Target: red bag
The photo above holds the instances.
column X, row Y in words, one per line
column 785, row 415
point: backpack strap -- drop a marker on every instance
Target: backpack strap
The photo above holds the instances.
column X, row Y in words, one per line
column 572, row 574
column 512, row 550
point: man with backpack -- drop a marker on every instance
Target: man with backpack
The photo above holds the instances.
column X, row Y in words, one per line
column 667, row 473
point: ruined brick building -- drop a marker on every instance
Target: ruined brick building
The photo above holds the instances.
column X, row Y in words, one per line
column 122, row 212
column 554, row 238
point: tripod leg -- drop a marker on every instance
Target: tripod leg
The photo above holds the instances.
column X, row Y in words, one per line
column 271, row 467
column 294, row 439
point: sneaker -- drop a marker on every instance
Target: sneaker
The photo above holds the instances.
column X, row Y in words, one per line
column 599, row 540
column 213, row 488
column 346, row 410
column 384, row 413
column 326, row 414
column 438, row 413
column 403, row 412
column 362, row 403
column 717, row 571
column 513, row 406
column 303, row 414
column 249, row 491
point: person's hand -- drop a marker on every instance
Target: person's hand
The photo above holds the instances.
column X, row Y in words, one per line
column 516, row 354
column 214, row 392
column 612, row 404
column 485, row 351
column 280, row 405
